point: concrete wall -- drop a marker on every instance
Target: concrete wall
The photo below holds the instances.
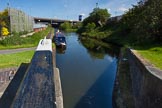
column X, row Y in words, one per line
column 146, row 82
column 20, row 21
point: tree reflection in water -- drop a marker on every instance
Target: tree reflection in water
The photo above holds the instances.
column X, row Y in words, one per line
column 98, row 49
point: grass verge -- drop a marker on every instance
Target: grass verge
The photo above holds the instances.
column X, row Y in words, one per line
column 153, row 55
column 14, row 60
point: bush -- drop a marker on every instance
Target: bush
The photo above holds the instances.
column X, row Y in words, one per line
column 4, row 31
column 66, row 25
column 90, row 27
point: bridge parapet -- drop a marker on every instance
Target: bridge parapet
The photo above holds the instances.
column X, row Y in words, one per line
column 36, row 89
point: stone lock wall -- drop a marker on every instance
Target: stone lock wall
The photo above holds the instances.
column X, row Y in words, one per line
column 146, row 82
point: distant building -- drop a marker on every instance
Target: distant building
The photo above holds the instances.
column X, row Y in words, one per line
column 19, row 21
column 80, row 17
column 39, row 27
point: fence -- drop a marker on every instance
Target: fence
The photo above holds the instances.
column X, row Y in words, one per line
column 19, row 21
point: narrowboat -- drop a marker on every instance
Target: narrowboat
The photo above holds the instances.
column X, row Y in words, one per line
column 60, row 39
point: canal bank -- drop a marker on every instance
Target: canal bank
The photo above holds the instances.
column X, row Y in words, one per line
column 138, row 83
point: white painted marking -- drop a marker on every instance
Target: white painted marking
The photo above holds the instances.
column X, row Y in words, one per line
column 45, row 45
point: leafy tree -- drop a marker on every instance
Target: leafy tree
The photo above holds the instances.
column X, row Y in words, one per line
column 98, row 16
column 4, row 21
column 90, row 25
column 144, row 21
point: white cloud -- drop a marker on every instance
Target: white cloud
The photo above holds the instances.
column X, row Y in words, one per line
column 109, row 9
column 123, row 9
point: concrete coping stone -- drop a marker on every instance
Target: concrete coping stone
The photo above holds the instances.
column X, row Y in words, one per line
column 156, row 72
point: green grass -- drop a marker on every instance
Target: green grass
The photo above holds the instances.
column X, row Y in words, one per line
column 153, row 55
column 14, row 60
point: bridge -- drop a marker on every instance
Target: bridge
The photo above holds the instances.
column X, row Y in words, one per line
column 53, row 22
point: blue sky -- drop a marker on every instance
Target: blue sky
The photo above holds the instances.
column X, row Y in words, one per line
column 67, row 9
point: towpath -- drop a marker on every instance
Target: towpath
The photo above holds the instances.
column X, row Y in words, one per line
column 9, row 51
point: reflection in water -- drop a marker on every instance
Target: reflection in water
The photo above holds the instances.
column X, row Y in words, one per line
column 98, row 49
column 61, row 50
column 87, row 74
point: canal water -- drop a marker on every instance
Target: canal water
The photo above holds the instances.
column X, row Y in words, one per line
column 87, row 68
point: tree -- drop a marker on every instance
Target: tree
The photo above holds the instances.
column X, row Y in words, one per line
column 144, row 21
column 4, row 22
column 98, row 16
column 4, row 19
